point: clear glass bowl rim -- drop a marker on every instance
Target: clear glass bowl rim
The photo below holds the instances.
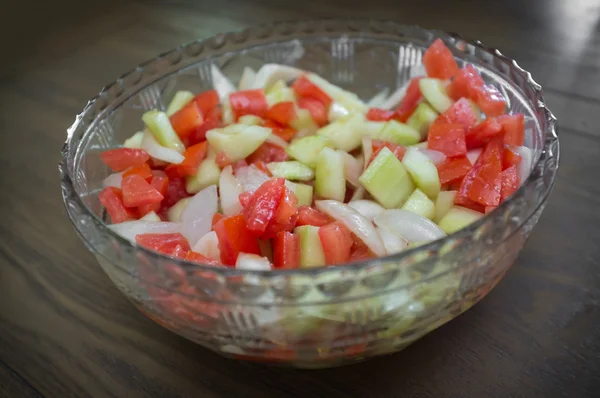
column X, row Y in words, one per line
column 549, row 137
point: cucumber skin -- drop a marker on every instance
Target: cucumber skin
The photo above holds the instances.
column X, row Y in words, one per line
column 311, row 250
column 330, row 181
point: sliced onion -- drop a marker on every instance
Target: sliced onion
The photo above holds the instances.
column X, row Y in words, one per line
column 247, row 79
column 151, row 216
column 252, row 262
column 367, row 147
column 394, row 99
column 157, row 151
column 208, row 245
column 251, row 178
column 436, row 157
column 113, row 180
column 196, row 218
column 352, row 168
column 473, row 155
column 368, row 208
column 337, row 111
column 358, row 194
column 524, row 168
column 356, row 222
column 392, row 242
column 130, row 229
column 378, row 99
column 409, row 225
column 269, row 74
column 221, row 83
column 277, row 140
column 229, row 192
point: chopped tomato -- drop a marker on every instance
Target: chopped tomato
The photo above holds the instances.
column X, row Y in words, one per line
column 466, row 83
column 490, row 100
column 200, row 259
column 439, row 61
column 222, row 160
column 164, row 243
column 303, row 87
column 213, row 121
column 144, row 171
column 138, row 192
column 238, row 165
column 175, row 192
column 285, row 216
column 378, row 145
column 286, row 250
column 262, row 166
column 410, row 101
column 216, row 218
column 112, row 199
column 244, row 198
column 187, row 120
column 337, row 242
column 286, row 133
column 380, row 115
column 510, row 158
column 261, row 208
column 448, row 139
column 513, row 127
column 453, row 169
column 282, row 112
column 194, row 155
column 268, row 153
column 235, row 238
column 317, row 109
column 461, row 112
column 248, row 102
column 510, row 182
column 360, row 251
column 310, row 216
column 123, row 158
column 480, row 134
column 207, row 102
column 160, row 182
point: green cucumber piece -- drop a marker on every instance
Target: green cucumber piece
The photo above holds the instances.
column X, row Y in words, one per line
column 304, row 123
column 420, row 204
column 174, row 213
column 292, row 170
column 423, row 172
column 180, row 99
column 434, row 91
column 135, row 141
column 443, row 203
column 280, row 92
column 208, row 174
column 373, row 129
column 307, row 149
column 237, row 141
column 422, row 118
column 304, row 193
column 250, row 120
column 311, row 251
column 345, row 134
column 420, row 145
column 330, row 181
column 159, row 125
column 399, row 133
column 387, row 180
column 457, row 218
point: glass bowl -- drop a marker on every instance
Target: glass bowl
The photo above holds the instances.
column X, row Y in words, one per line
column 309, row 317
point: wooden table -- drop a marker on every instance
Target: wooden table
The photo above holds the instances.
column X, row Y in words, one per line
column 65, row 330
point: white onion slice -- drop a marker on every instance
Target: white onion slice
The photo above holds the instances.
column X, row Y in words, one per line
column 229, row 192
column 394, row 99
column 277, row 140
column 473, row 155
column 247, row 79
column 251, row 178
column 378, row 99
column 368, row 208
column 409, row 225
column 157, row 151
column 130, row 229
column 524, row 168
column 337, row 111
column 356, row 222
column 269, row 74
column 151, row 216
column 352, row 168
column 221, row 83
column 367, row 147
column 113, row 180
column 436, row 157
column 208, row 246
column 392, row 242
column 358, row 194
column 252, row 262
column 196, row 218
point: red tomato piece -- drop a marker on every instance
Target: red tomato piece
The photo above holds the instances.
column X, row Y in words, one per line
column 285, row 216
column 439, row 61
column 235, row 238
column 213, row 121
column 481, row 134
column 378, row 145
column 262, row 205
column 138, row 192
column 144, row 171
column 284, row 132
column 262, row 166
column 160, row 182
column 175, row 192
column 268, row 153
column 164, row 243
column 510, row 158
column 207, row 102
column 483, row 183
column 337, row 242
column 303, row 87
column 240, row 164
column 245, row 198
column 513, row 127
column 248, row 102
column 199, row 258
column 216, row 218
column 410, row 101
column 466, row 83
column 222, row 160
column 448, row 139
column 187, row 120
column 282, row 112
column 286, row 250
column 194, row 155
column 360, row 251
column 453, row 169
column 310, row 216
column 380, row 115
column 510, row 182
column 317, row 109
column 112, row 199
column 490, row 100
column 123, row 158
column 461, row 113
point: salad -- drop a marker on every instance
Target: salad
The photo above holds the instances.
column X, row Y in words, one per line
column 290, row 171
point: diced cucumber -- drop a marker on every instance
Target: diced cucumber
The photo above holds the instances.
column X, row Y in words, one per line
column 304, row 193
column 373, row 129
column 237, row 141
column 337, row 112
column 399, row 133
column 444, row 202
column 387, row 180
column 135, row 141
column 311, row 251
column 208, row 174
column 159, row 125
column 423, row 172
column 330, row 182
column 250, row 120
column 420, row 145
column 304, row 123
column 422, row 118
column 345, row 134
column 292, row 170
column 180, row 99
column 457, row 218
column 280, row 92
column 174, row 213
column 476, row 110
column 347, row 99
column 307, row 149
column 419, row 203
column 434, row 91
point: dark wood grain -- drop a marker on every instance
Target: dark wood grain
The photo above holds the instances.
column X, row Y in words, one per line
column 65, row 331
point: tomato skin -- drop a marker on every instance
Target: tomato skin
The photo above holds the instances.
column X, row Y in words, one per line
column 286, row 250
column 337, row 242
column 513, row 127
column 138, row 192
column 481, row 134
column 310, row 216
column 282, row 112
column 248, row 102
column 193, row 155
column 303, row 87
column 510, row 182
column 453, row 169
column 144, row 171
column 112, row 199
column 123, row 158
column 461, row 113
column 439, row 61
column 317, row 109
column 164, row 243
column 268, row 153
column 216, row 218
column 199, row 258
column 378, row 145
column 207, row 102
column 262, row 205
column 448, row 139
column 510, row 158
column 186, row 120
column 235, row 238
column 286, row 133
column 410, row 101
column 380, row 115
